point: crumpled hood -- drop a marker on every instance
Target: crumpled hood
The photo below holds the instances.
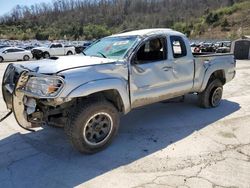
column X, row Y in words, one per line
column 58, row 64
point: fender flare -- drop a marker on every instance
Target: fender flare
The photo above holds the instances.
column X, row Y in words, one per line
column 96, row 86
column 212, row 68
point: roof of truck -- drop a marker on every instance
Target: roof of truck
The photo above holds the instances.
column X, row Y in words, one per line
column 148, row 32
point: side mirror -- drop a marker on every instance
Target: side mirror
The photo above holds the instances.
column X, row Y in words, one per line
column 5, row 52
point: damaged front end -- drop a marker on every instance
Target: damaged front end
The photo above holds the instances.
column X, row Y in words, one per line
column 32, row 97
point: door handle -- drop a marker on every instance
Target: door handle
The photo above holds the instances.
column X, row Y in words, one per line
column 167, row 68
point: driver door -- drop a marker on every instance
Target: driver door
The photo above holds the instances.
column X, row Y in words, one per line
column 59, row 50
column 151, row 72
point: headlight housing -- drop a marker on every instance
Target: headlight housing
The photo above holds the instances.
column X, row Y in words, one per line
column 44, row 86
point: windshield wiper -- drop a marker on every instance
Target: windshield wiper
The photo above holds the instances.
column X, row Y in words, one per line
column 102, row 54
column 83, row 53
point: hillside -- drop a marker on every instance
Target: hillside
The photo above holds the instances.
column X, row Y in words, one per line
column 230, row 22
column 87, row 19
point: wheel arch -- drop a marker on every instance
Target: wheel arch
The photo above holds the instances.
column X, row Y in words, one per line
column 114, row 90
column 2, row 57
column 45, row 52
column 69, row 51
column 212, row 75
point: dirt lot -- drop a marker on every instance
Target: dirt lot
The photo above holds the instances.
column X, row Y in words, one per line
column 161, row 145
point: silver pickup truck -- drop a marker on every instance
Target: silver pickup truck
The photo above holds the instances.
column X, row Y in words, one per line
column 86, row 94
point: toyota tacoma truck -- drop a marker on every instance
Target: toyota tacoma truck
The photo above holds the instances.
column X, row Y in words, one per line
column 54, row 49
column 86, row 94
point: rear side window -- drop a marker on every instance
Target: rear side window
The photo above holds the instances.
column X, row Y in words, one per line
column 178, row 46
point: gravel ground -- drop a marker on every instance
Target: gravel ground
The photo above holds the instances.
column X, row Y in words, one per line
column 162, row 145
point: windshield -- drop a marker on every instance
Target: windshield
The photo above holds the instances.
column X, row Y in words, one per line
column 111, row 47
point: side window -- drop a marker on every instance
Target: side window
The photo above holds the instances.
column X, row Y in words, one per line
column 53, row 46
column 152, row 50
column 178, row 46
column 19, row 50
column 59, row 46
column 14, row 50
column 10, row 50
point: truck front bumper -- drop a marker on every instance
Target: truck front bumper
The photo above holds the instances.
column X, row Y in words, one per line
column 14, row 79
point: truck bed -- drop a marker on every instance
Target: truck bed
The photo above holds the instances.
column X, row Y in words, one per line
column 209, row 54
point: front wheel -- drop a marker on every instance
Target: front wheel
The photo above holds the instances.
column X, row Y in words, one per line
column 26, row 58
column 92, row 126
column 1, row 59
column 46, row 55
column 212, row 95
column 69, row 53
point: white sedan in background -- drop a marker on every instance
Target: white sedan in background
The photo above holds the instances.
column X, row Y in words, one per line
column 14, row 54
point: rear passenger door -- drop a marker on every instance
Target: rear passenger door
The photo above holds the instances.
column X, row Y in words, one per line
column 182, row 64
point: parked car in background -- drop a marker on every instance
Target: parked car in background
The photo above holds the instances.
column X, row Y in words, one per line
column 4, row 46
column 14, row 54
column 80, row 48
column 29, row 47
column 54, row 49
column 223, row 46
column 207, row 47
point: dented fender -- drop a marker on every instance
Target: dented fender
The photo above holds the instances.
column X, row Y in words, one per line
column 228, row 70
column 91, row 87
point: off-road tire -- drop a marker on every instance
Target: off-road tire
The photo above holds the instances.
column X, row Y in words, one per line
column 206, row 98
column 1, row 59
column 79, row 119
column 26, row 58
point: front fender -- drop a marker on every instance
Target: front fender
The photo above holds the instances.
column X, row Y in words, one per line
column 95, row 86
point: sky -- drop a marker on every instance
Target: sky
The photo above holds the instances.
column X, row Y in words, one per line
column 7, row 5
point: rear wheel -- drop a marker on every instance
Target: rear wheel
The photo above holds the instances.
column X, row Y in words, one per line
column 92, row 126
column 212, row 95
column 26, row 58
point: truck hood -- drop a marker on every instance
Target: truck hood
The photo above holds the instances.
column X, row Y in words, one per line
column 41, row 48
column 58, row 64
